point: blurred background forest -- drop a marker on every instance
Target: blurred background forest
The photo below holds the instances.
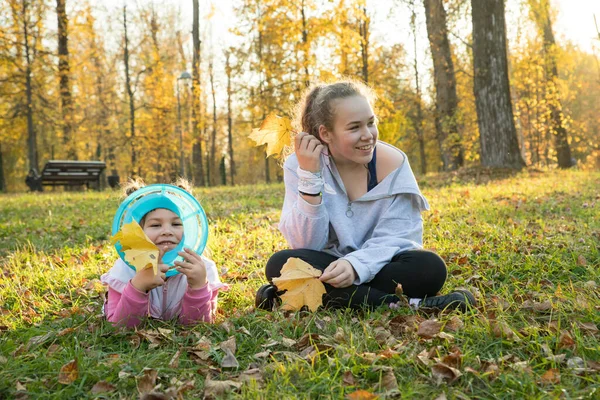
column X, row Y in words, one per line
column 157, row 93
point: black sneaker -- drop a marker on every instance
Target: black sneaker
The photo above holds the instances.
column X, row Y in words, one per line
column 266, row 297
column 459, row 299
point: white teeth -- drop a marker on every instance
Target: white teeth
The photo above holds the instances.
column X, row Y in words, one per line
column 367, row 147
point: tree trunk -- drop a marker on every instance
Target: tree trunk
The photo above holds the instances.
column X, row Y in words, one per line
column 446, row 101
column 305, row 45
column 557, row 126
column 213, row 139
column 497, row 133
column 363, row 27
column 229, row 121
column 66, row 99
column 32, row 151
column 198, row 173
column 130, row 95
column 223, row 171
column 2, row 181
column 419, row 119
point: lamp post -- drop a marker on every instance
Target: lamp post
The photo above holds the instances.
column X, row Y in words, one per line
column 184, row 75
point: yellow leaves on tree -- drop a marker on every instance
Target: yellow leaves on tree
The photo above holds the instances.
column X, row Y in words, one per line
column 138, row 248
column 275, row 132
column 303, row 287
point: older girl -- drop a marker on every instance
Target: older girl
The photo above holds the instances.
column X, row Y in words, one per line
column 352, row 208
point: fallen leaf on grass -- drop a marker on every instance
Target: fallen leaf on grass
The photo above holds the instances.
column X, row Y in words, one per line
column 307, row 339
column 174, row 363
column 68, row 373
column 348, row 379
column 38, row 340
column 20, row 387
column 303, row 287
column 581, row 260
column 263, row 354
column 551, row 376
column 213, row 389
column 102, row 387
column 590, row 285
column 339, row 335
column 53, row 348
column 500, row 329
column 287, row 342
column 229, row 344
column 429, row 328
column 426, row 356
column 388, row 381
column 271, row 343
column 454, row 325
column 275, row 132
column 388, row 353
column 453, row 359
column 405, row 324
column 442, row 372
column 588, row 327
column 382, row 335
column 65, row 331
column 491, row 370
column 565, row 341
column 229, row 361
column 543, row 307
column 253, row 374
column 147, row 382
column 361, row 395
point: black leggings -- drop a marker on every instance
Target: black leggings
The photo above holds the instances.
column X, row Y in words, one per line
column 421, row 273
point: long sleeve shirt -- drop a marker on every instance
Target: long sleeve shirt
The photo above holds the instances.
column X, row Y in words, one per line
column 127, row 306
column 367, row 232
column 131, row 306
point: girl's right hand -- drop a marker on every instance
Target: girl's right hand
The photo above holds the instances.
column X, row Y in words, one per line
column 145, row 280
column 308, row 151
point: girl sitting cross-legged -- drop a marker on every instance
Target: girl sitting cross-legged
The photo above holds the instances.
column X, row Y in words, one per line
column 352, row 209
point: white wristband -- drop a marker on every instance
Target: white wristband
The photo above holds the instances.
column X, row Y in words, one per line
column 309, row 182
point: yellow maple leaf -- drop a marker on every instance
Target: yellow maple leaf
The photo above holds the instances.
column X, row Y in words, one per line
column 275, row 132
column 138, row 248
column 303, row 288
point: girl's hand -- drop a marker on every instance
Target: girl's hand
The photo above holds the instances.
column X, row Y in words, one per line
column 339, row 274
column 308, row 151
column 193, row 267
column 145, row 280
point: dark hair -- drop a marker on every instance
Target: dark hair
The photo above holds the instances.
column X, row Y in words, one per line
column 317, row 107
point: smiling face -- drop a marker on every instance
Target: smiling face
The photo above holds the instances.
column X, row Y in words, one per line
column 163, row 227
column 354, row 131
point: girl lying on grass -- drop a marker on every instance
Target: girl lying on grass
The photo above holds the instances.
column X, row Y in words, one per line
column 190, row 295
column 352, row 209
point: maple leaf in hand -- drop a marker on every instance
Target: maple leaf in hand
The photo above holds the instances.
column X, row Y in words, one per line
column 303, row 287
column 275, row 132
column 138, row 248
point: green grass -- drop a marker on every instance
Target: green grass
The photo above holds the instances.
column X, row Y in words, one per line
column 514, row 241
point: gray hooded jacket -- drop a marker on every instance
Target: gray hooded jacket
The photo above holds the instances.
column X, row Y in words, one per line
column 368, row 231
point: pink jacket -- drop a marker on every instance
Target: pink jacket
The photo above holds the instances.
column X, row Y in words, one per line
column 127, row 306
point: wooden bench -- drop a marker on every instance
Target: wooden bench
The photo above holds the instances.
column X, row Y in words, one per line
column 67, row 173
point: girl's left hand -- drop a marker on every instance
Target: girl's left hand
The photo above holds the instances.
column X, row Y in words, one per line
column 193, row 267
column 339, row 274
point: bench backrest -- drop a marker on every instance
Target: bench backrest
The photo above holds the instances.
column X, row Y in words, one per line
column 59, row 171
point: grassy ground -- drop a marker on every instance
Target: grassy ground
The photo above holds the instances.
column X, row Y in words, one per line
column 528, row 246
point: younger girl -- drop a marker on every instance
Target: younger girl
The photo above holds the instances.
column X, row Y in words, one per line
column 352, row 209
column 190, row 295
